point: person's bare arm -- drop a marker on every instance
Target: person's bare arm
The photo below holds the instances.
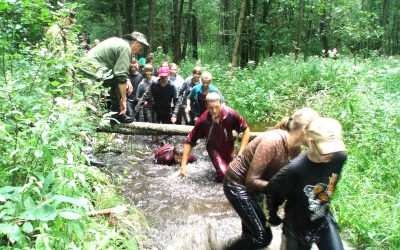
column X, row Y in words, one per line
column 245, row 140
column 187, row 148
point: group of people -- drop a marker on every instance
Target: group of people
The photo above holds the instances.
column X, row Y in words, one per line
column 271, row 165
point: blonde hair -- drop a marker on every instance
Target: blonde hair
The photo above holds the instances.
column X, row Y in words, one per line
column 299, row 120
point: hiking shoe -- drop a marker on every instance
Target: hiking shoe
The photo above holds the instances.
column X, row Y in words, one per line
column 122, row 118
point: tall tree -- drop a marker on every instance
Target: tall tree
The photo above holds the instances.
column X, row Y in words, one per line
column 118, row 18
column 176, row 34
column 323, row 32
column 225, row 21
column 299, row 29
column 187, row 28
column 150, row 20
column 384, row 24
column 238, row 33
column 128, row 16
column 195, row 53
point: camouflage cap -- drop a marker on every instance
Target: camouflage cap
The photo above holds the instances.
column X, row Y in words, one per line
column 136, row 36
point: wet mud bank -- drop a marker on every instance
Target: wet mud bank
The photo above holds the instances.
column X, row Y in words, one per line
column 183, row 213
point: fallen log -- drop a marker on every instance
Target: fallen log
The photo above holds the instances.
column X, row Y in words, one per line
column 145, row 128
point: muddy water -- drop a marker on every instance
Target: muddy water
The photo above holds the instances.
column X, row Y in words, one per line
column 184, row 214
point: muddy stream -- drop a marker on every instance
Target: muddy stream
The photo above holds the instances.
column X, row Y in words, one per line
column 183, row 214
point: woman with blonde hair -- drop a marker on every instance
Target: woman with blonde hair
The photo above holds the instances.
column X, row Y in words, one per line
column 249, row 173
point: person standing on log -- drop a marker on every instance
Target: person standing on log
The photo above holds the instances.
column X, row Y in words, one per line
column 216, row 126
column 109, row 62
column 248, row 175
column 307, row 184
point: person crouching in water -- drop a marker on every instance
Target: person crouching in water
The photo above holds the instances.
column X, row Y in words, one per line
column 215, row 125
column 170, row 154
column 307, row 184
column 248, row 175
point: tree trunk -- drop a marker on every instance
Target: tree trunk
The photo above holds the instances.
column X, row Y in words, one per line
column 384, row 24
column 195, row 53
column 245, row 38
column 128, row 16
column 150, row 21
column 299, row 29
column 266, row 9
column 225, row 22
column 176, row 34
column 238, row 33
column 254, row 37
column 118, row 18
column 187, row 29
column 145, row 128
column 323, row 32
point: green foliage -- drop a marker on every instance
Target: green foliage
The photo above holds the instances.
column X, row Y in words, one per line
column 46, row 188
column 365, row 98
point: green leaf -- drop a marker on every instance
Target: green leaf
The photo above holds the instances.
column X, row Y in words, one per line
column 27, row 227
column 13, row 232
column 70, row 215
column 80, row 202
column 38, row 153
column 2, row 199
column 45, row 213
column 49, row 180
column 29, row 203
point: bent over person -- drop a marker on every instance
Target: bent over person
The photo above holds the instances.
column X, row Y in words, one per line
column 109, row 62
column 307, row 185
column 215, row 125
column 248, row 175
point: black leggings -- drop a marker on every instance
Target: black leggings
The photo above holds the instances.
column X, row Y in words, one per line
column 329, row 239
column 255, row 234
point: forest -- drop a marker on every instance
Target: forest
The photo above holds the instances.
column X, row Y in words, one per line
column 268, row 58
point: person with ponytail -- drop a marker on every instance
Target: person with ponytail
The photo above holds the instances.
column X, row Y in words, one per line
column 248, row 175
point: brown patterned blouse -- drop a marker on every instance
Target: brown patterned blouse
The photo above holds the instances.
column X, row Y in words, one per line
column 262, row 158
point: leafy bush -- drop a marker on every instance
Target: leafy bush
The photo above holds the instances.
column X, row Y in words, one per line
column 365, row 99
column 46, row 188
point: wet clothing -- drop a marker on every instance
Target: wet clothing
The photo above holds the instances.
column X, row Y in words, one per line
column 198, row 103
column 255, row 233
column 161, row 98
column 219, row 138
column 247, row 178
column 165, row 155
column 307, row 188
column 109, row 62
column 265, row 155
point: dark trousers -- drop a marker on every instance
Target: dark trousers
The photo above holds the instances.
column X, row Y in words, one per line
column 329, row 239
column 115, row 97
column 255, row 233
column 218, row 160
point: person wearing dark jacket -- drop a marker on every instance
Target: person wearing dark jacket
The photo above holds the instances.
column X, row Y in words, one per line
column 249, row 173
column 308, row 184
